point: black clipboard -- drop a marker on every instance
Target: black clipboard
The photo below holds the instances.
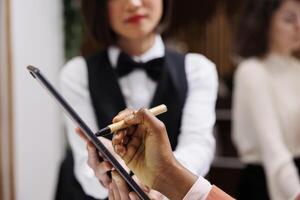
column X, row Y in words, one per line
column 35, row 72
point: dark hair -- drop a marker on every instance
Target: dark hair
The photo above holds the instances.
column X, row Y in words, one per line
column 95, row 14
column 253, row 32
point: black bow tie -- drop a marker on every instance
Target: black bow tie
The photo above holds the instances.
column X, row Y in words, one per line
column 153, row 67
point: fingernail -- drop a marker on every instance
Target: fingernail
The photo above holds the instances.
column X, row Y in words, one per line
column 121, row 151
column 129, row 117
column 147, row 189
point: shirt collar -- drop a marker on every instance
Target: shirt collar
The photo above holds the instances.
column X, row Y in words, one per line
column 156, row 51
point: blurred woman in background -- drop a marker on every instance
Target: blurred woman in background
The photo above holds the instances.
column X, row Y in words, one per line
column 266, row 113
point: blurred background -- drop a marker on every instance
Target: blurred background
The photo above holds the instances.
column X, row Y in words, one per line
column 46, row 33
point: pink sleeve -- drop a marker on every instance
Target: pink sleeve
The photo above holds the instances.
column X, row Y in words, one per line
column 218, row 194
column 199, row 191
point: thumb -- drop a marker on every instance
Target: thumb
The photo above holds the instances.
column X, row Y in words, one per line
column 145, row 117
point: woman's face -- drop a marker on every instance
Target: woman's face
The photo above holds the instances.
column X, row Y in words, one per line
column 134, row 19
column 285, row 28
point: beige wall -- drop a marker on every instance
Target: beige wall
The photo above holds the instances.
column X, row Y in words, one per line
column 32, row 142
column 37, row 39
column 6, row 122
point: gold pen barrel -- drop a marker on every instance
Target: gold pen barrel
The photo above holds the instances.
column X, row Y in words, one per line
column 121, row 124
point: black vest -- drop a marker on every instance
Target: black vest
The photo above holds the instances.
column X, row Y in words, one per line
column 108, row 100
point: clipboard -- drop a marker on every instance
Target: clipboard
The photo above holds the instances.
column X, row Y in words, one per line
column 36, row 73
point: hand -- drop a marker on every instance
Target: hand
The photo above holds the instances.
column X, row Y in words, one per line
column 101, row 167
column 144, row 146
column 119, row 190
column 146, row 150
column 96, row 162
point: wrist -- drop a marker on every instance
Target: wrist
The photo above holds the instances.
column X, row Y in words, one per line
column 175, row 181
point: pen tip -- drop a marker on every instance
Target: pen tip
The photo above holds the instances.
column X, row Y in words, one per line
column 103, row 132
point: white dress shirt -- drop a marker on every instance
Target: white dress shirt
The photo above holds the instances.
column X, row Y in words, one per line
column 196, row 144
column 266, row 117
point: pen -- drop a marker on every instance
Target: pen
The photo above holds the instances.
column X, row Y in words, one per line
column 121, row 124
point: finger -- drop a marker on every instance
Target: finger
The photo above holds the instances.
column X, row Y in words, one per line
column 81, row 134
column 115, row 190
column 125, row 140
column 153, row 194
column 102, row 168
column 105, row 180
column 120, row 150
column 132, row 147
column 96, row 162
column 142, row 186
column 146, row 118
column 111, row 193
column 133, row 196
column 121, row 185
column 93, row 156
column 118, row 137
column 135, row 118
column 122, row 137
column 130, row 130
column 121, row 115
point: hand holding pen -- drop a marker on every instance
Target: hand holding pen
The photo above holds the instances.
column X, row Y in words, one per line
column 101, row 167
column 146, row 150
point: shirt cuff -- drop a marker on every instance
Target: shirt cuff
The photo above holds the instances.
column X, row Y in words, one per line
column 199, row 190
column 216, row 193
